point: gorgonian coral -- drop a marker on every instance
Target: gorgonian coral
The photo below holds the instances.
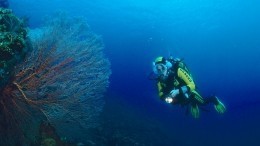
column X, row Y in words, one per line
column 61, row 81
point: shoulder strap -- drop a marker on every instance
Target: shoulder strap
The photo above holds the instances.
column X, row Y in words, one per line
column 179, row 63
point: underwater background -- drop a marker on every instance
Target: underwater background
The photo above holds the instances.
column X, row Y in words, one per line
column 219, row 41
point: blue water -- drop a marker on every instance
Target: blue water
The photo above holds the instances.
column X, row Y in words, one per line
column 219, row 41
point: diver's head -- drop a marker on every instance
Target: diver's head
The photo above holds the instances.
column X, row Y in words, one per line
column 161, row 67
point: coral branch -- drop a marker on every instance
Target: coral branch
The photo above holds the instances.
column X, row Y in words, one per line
column 61, row 80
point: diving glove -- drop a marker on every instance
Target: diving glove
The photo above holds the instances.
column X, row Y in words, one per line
column 195, row 111
column 174, row 92
column 220, row 107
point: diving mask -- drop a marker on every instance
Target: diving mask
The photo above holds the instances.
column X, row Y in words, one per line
column 160, row 69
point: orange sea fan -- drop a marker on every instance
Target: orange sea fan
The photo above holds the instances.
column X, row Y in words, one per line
column 61, row 81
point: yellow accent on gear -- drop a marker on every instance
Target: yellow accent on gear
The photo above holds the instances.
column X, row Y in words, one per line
column 158, row 59
column 159, row 85
column 186, row 78
column 197, row 96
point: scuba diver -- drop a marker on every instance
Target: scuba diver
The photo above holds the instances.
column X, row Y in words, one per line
column 176, row 86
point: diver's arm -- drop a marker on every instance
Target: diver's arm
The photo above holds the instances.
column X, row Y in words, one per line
column 167, row 98
column 161, row 94
column 190, row 85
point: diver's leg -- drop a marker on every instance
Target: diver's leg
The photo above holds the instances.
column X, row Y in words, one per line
column 219, row 106
column 211, row 99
